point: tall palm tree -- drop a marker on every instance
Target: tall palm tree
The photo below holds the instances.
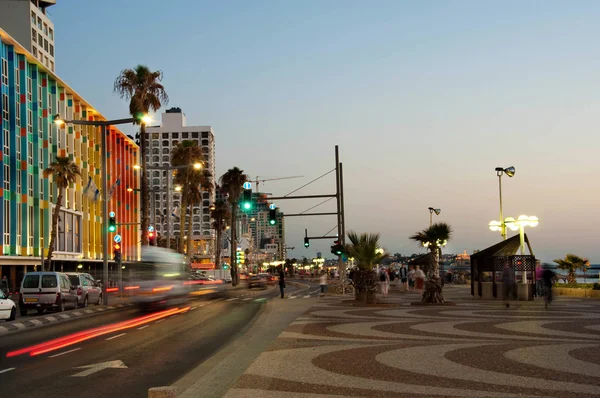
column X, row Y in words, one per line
column 199, row 182
column 64, row 172
column 142, row 88
column 186, row 153
column 220, row 213
column 571, row 263
column 433, row 238
column 366, row 252
column 232, row 182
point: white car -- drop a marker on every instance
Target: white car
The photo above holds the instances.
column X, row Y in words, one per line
column 8, row 309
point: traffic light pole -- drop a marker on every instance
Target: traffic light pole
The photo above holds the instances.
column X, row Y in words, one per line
column 104, row 218
column 339, row 213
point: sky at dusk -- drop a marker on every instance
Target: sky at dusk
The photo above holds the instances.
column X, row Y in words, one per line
column 424, row 98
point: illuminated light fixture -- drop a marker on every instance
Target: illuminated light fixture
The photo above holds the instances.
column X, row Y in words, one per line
column 146, row 119
column 197, row 165
column 129, row 189
column 137, row 166
column 178, row 188
column 495, row 226
column 58, row 120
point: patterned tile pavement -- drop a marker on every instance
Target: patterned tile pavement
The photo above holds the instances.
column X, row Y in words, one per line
column 473, row 349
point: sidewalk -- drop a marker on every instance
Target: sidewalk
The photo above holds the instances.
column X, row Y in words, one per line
column 473, row 349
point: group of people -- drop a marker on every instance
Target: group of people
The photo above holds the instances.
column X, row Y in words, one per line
column 412, row 278
column 545, row 278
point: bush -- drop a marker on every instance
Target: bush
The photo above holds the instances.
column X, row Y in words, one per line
column 576, row 285
column 596, row 286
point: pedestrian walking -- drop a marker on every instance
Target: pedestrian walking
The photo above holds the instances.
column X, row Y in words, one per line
column 392, row 276
column 281, row 281
column 403, row 276
column 384, row 282
column 419, row 277
column 549, row 278
column 4, row 286
column 539, row 283
column 508, row 281
column 323, row 282
column 411, row 278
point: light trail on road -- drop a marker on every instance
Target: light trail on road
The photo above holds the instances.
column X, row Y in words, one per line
column 66, row 341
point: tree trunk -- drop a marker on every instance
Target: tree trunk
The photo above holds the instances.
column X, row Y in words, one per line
column 432, row 292
column 182, row 217
column 55, row 214
column 189, row 235
column 233, row 259
column 218, row 246
column 145, row 193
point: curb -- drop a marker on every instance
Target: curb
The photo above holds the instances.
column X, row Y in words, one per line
column 57, row 317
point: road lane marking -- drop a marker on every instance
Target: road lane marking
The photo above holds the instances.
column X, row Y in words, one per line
column 249, row 298
column 7, row 370
column 64, row 353
column 114, row 337
column 291, row 297
column 64, row 316
column 143, row 327
column 76, row 313
column 160, row 320
column 36, row 322
column 51, row 318
column 193, row 308
column 233, row 298
column 91, row 369
column 307, row 296
column 318, row 290
column 19, row 325
column 88, row 311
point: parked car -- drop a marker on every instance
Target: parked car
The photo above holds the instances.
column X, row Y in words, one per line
column 256, row 281
column 46, row 291
column 88, row 291
column 8, row 308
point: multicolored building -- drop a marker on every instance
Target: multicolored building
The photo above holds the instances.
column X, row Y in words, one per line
column 30, row 141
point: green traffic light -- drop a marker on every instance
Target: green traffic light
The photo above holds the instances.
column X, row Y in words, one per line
column 112, row 228
column 247, row 205
column 272, row 222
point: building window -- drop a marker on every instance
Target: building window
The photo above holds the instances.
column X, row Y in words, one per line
column 46, row 45
column 6, row 220
column 30, row 211
column 40, row 127
column 166, row 158
column 33, row 35
column 195, row 135
column 18, row 145
column 29, row 89
column 33, row 18
column 176, row 135
column 185, row 136
column 6, row 149
column 35, row 53
column 205, row 134
column 46, row 29
column 51, row 34
column 18, row 114
column 5, row 107
column 17, row 81
column 4, row 72
column 39, row 23
column 165, row 135
column 30, row 185
column 155, row 136
column 19, row 180
column 19, row 223
column 40, row 40
column 29, row 121
column 6, row 177
column 52, row 66
column 165, row 151
column 30, row 153
column 165, row 143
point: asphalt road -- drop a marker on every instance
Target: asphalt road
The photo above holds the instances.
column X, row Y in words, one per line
column 152, row 352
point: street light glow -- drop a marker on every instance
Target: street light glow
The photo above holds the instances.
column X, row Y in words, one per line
column 58, row 120
column 178, row 188
column 197, row 165
column 137, row 166
column 146, row 119
column 129, row 189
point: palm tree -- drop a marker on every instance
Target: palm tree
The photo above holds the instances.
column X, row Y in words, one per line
column 433, row 238
column 64, row 172
column 219, row 213
column 232, row 182
column 199, row 182
column 142, row 88
column 571, row 263
column 186, row 153
column 366, row 252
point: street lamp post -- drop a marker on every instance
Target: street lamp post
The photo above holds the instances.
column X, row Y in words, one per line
column 509, row 171
column 431, row 211
column 103, row 124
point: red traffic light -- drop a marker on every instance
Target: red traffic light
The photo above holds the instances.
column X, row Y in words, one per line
column 151, row 234
column 117, row 246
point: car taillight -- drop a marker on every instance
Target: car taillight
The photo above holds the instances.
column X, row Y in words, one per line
column 79, row 291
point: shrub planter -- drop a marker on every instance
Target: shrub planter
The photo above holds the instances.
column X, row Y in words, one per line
column 575, row 292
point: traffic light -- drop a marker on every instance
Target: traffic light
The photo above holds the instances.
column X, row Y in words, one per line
column 239, row 255
column 112, row 223
column 117, row 252
column 337, row 248
column 272, row 216
column 152, row 238
column 306, row 242
column 247, row 199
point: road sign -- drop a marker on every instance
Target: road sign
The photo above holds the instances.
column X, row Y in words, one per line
column 151, row 228
column 247, row 185
column 272, row 206
column 111, row 214
column 91, row 369
column 117, row 238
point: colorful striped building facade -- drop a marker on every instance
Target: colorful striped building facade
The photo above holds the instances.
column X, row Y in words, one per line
column 30, row 141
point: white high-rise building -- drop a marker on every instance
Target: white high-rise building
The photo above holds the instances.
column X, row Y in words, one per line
column 28, row 22
column 159, row 145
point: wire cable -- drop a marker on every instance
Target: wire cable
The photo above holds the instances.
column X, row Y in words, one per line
column 325, row 234
column 325, row 201
column 318, row 178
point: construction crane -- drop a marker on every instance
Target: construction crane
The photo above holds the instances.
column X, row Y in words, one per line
column 258, row 181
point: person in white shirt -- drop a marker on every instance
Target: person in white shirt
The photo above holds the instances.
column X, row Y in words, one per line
column 419, row 278
column 323, row 282
column 384, row 281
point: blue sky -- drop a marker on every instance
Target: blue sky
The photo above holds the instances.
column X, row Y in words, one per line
column 424, row 98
